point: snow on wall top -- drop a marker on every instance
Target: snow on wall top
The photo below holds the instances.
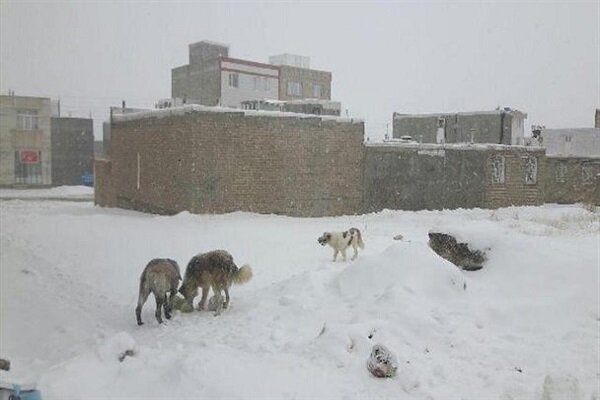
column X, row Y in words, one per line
column 465, row 113
column 179, row 111
column 453, row 146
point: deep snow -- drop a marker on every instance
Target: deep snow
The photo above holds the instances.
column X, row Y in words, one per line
column 524, row 327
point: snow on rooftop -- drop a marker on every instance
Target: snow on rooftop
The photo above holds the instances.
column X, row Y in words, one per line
column 175, row 111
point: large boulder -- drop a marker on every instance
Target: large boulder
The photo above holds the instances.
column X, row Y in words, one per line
column 459, row 254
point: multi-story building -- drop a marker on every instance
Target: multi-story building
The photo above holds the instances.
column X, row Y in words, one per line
column 213, row 78
column 37, row 147
column 25, row 136
column 500, row 126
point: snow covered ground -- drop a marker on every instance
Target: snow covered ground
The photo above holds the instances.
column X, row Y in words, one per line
column 59, row 192
column 524, row 327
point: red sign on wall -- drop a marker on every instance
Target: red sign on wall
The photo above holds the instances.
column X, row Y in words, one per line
column 30, row 157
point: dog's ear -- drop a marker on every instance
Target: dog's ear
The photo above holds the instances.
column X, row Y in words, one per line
column 327, row 235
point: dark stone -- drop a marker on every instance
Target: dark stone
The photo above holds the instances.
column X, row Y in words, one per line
column 458, row 254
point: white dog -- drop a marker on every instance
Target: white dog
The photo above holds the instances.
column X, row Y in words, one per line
column 340, row 241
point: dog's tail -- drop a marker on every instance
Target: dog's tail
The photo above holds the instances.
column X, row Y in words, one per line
column 359, row 240
column 242, row 275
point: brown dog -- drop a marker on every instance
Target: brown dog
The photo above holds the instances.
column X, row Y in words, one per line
column 214, row 269
column 161, row 276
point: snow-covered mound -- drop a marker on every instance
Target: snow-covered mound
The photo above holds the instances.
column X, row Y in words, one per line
column 523, row 327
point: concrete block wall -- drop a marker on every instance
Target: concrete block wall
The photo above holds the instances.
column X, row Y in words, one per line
column 72, row 150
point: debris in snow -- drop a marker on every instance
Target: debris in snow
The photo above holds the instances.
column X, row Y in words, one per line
column 458, row 254
column 179, row 303
column 382, row 363
column 398, row 237
column 4, row 364
column 351, row 345
column 212, row 303
column 518, row 369
column 372, row 333
column 126, row 353
column 323, row 329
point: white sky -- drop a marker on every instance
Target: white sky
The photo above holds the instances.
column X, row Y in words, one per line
column 411, row 57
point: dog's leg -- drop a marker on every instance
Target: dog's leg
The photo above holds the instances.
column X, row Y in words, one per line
column 202, row 304
column 143, row 296
column 167, row 307
column 335, row 253
column 227, row 298
column 159, row 303
column 344, row 254
column 355, row 251
column 218, row 300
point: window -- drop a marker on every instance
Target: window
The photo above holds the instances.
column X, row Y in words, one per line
column 28, row 166
column 561, row 171
column 294, row 89
column 262, row 83
column 497, row 164
column 587, row 174
column 317, row 91
column 531, row 171
column 27, row 120
column 234, row 80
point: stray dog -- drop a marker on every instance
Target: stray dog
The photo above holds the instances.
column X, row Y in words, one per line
column 161, row 276
column 214, row 269
column 340, row 241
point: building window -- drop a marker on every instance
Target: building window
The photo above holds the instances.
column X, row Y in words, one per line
column 234, row 80
column 531, row 171
column 497, row 164
column 317, row 91
column 587, row 174
column 27, row 120
column 262, row 83
column 561, row 171
column 294, row 89
column 28, row 166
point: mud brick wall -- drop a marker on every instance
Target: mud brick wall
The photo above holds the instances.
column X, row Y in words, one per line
column 104, row 193
column 213, row 162
column 515, row 191
column 571, row 180
column 436, row 177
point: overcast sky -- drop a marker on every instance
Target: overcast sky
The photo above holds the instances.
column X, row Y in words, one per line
column 409, row 57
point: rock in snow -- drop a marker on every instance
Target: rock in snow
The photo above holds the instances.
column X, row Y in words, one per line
column 459, row 254
column 382, row 363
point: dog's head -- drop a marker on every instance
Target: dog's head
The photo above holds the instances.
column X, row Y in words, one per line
column 188, row 291
column 324, row 239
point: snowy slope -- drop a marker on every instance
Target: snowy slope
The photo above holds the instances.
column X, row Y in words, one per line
column 524, row 327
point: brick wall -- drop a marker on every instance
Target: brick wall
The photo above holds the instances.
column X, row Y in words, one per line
column 572, row 180
column 209, row 162
column 308, row 78
column 104, row 193
column 515, row 191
